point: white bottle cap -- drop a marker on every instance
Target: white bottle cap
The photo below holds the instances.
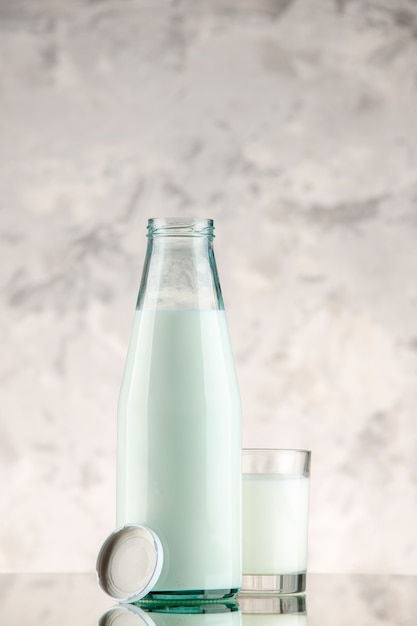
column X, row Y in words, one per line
column 129, row 563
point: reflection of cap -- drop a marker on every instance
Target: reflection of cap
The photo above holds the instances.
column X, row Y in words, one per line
column 274, row 605
column 129, row 563
column 125, row 615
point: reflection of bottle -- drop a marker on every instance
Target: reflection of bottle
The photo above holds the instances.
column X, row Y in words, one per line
column 273, row 611
column 191, row 615
column 179, row 440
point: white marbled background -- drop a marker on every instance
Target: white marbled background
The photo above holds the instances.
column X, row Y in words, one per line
column 294, row 125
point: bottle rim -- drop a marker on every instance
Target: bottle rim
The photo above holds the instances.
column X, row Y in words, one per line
column 180, row 227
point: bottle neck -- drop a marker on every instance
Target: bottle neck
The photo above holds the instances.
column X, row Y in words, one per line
column 180, row 269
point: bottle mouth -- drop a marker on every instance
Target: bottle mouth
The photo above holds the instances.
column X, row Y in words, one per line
column 180, row 227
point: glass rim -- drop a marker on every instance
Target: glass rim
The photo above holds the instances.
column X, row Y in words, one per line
column 279, row 461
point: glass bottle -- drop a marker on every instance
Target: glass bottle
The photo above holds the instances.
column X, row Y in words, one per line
column 179, row 414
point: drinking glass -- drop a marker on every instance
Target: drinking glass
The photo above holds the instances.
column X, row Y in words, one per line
column 275, row 500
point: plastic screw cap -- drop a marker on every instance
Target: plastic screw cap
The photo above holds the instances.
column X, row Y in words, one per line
column 129, row 563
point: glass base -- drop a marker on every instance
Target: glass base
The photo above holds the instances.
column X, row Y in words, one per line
column 188, row 596
column 274, row 583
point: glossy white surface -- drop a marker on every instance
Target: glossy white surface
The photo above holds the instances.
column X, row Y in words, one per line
column 293, row 125
column 68, row 599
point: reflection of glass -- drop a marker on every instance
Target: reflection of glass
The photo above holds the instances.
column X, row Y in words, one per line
column 268, row 610
column 186, row 614
column 275, row 520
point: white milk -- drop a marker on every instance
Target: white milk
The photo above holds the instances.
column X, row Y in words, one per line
column 179, row 446
column 275, row 521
